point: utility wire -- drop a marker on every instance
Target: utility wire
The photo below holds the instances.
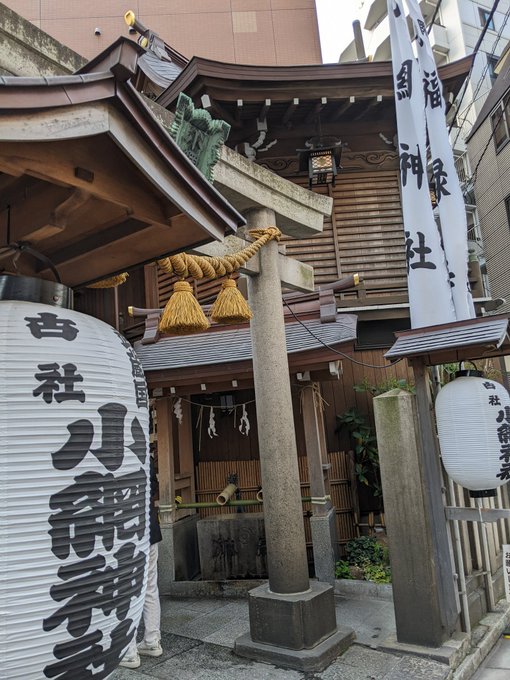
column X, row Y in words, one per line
column 475, row 52
column 491, row 136
column 332, row 349
column 436, row 12
column 482, row 77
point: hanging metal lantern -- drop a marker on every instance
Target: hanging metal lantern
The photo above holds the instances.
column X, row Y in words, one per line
column 73, row 487
column 321, row 159
column 473, row 423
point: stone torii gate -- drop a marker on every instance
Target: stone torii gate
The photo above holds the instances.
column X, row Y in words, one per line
column 292, row 620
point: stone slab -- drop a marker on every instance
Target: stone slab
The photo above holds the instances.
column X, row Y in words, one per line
column 232, row 546
column 295, row 621
column 324, row 543
column 187, row 658
column 353, row 588
column 305, row 660
column 451, row 653
column 414, row 668
column 178, row 553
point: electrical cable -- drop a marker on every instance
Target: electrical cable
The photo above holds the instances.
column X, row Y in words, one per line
column 475, row 51
column 436, row 11
column 491, row 136
column 482, row 78
column 336, row 351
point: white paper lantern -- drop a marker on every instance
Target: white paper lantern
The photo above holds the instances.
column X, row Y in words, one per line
column 74, row 496
column 473, row 422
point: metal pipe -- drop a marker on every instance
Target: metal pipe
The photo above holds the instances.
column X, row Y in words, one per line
column 192, row 506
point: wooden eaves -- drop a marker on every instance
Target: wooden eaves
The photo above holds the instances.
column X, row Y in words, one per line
column 291, row 98
column 92, row 180
column 478, row 338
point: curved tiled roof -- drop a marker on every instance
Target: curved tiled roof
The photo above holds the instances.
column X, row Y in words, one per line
column 231, row 345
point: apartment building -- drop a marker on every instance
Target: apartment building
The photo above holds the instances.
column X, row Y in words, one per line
column 235, row 31
column 455, row 32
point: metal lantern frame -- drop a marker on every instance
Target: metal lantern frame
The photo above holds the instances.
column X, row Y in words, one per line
column 322, row 164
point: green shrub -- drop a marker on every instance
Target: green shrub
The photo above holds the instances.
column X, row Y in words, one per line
column 366, row 550
column 342, row 569
column 378, row 573
column 367, row 559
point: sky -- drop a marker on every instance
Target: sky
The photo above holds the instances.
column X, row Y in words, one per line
column 335, row 25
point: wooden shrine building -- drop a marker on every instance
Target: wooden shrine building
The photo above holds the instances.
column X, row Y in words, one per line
column 206, row 418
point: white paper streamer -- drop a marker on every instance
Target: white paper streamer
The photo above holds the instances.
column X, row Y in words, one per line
column 244, row 424
column 211, row 430
column 178, row 410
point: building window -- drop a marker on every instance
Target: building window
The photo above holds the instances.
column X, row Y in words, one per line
column 501, row 124
column 491, row 63
column 484, row 15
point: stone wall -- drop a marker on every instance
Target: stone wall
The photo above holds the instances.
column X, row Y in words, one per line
column 25, row 50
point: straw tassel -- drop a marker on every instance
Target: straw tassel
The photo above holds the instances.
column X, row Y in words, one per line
column 183, row 315
column 230, row 305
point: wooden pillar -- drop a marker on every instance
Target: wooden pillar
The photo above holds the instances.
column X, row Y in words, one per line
column 311, row 417
column 166, row 468
column 185, row 477
column 322, row 522
column 150, row 273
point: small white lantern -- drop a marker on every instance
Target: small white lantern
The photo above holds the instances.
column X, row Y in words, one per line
column 73, row 490
column 473, row 423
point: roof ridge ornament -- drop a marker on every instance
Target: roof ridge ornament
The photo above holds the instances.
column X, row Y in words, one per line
column 198, row 135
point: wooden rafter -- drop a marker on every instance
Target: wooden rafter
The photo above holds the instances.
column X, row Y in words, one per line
column 264, row 109
column 287, row 116
column 370, row 105
column 316, row 110
column 342, row 108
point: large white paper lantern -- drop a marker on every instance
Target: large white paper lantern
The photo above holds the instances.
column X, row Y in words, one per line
column 73, row 493
column 473, row 423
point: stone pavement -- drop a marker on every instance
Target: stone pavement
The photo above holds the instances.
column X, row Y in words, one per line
column 497, row 664
column 198, row 637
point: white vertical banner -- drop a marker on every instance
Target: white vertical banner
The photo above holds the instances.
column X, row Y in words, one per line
column 430, row 292
column 506, row 570
column 450, row 202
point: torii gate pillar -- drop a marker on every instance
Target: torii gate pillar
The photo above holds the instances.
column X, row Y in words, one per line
column 292, row 620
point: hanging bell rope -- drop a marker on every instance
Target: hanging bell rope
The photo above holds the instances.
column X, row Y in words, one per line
column 183, row 314
column 111, row 282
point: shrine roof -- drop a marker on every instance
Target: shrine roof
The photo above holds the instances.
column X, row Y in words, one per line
column 276, row 81
column 355, row 101
column 451, row 342
column 86, row 159
column 227, row 346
